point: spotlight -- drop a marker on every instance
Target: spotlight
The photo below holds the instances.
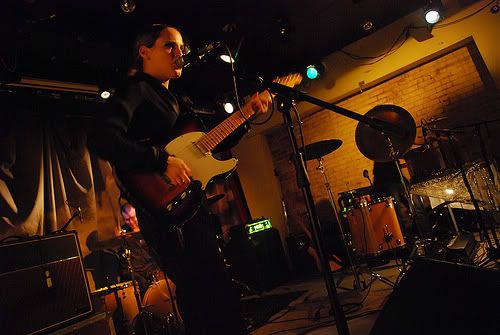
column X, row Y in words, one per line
column 228, row 107
column 494, row 9
column 105, row 94
column 367, row 25
column 433, row 11
column 226, row 58
column 314, row 71
column 128, row 6
column 231, row 57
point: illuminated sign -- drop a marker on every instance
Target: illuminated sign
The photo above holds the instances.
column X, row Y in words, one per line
column 257, row 226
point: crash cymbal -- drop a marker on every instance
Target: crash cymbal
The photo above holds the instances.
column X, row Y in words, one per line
column 320, row 149
column 373, row 144
column 122, row 240
column 214, row 198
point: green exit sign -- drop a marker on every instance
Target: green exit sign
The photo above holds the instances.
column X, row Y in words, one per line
column 257, row 226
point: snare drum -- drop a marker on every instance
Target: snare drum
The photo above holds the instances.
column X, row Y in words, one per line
column 375, row 227
column 158, row 301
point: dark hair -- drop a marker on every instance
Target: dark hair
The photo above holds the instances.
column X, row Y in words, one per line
column 125, row 207
column 147, row 36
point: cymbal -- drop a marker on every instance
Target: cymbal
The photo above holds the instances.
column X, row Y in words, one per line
column 320, row 149
column 214, row 198
column 374, row 145
column 122, row 240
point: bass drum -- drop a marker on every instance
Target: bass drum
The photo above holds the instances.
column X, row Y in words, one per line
column 159, row 302
column 375, row 227
column 105, row 300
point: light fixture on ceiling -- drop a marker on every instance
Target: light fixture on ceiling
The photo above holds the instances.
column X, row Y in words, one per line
column 128, row 6
column 106, row 93
column 367, row 25
column 314, row 71
column 230, row 57
column 433, row 12
column 228, row 107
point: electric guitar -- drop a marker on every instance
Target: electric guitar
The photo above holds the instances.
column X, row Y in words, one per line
column 155, row 192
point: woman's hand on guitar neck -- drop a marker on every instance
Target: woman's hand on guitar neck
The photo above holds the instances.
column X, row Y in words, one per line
column 258, row 104
column 177, row 171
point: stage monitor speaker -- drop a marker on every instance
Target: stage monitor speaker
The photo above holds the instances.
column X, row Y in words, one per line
column 437, row 297
column 42, row 284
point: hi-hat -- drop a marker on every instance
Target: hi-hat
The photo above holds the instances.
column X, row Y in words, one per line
column 320, row 149
column 374, row 145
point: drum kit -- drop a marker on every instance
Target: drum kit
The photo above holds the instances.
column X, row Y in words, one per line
column 435, row 167
column 155, row 313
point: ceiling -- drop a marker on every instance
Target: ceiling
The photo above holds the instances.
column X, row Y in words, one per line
column 88, row 41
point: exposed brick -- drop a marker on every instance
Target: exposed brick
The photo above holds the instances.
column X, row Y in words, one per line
column 449, row 86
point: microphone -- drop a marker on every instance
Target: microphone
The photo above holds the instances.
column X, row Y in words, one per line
column 367, row 176
column 196, row 56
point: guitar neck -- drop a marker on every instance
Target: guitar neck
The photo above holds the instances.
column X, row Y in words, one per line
column 211, row 139
column 215, row 136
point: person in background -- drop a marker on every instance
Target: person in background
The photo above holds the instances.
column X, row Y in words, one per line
column 144, row 267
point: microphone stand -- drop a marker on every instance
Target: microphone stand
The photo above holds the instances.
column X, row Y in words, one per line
column 284, row 105
column 285, row 99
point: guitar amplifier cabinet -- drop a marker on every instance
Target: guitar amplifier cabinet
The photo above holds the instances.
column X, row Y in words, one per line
column 42, row 284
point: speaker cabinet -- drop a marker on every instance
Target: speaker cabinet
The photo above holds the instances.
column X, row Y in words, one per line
column 42, row 284
column 437, row 297
column 258, row 259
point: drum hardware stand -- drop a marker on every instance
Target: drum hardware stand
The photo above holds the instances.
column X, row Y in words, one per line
column 321, row 169
column 142, row 311
column 493, row 251
column 388, row 235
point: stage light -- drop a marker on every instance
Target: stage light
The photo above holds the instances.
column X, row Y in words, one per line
column 313, row 71
column 128, row 6
column 228, row 107
column 449, row 191
column 105, row 94
column 230, row 56
column 433, row 12
column 495, row 8
column 226, row 58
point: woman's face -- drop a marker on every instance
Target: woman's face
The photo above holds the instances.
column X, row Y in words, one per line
column 159, row 61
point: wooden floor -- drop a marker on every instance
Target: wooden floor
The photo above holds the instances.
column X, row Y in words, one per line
column 310, row 313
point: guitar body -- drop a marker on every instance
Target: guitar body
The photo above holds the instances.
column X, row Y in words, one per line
column 154, row 191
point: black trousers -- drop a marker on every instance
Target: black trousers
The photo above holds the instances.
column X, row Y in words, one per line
column 205, row 295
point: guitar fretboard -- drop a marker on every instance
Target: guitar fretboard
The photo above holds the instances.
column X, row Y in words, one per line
column 211, row 139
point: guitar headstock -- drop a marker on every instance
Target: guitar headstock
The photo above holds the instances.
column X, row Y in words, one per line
column 291, row 80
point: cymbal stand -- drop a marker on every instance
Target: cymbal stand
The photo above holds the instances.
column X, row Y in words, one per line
column 411, row 206
column 321, row 169
column 142, row 312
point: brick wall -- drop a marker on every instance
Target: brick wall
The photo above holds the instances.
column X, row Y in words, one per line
column 456, row 85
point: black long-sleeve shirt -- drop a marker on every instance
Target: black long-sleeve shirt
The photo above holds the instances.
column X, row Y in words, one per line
column 136, row 125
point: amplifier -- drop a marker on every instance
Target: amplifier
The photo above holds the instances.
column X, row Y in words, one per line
column 42, row 284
